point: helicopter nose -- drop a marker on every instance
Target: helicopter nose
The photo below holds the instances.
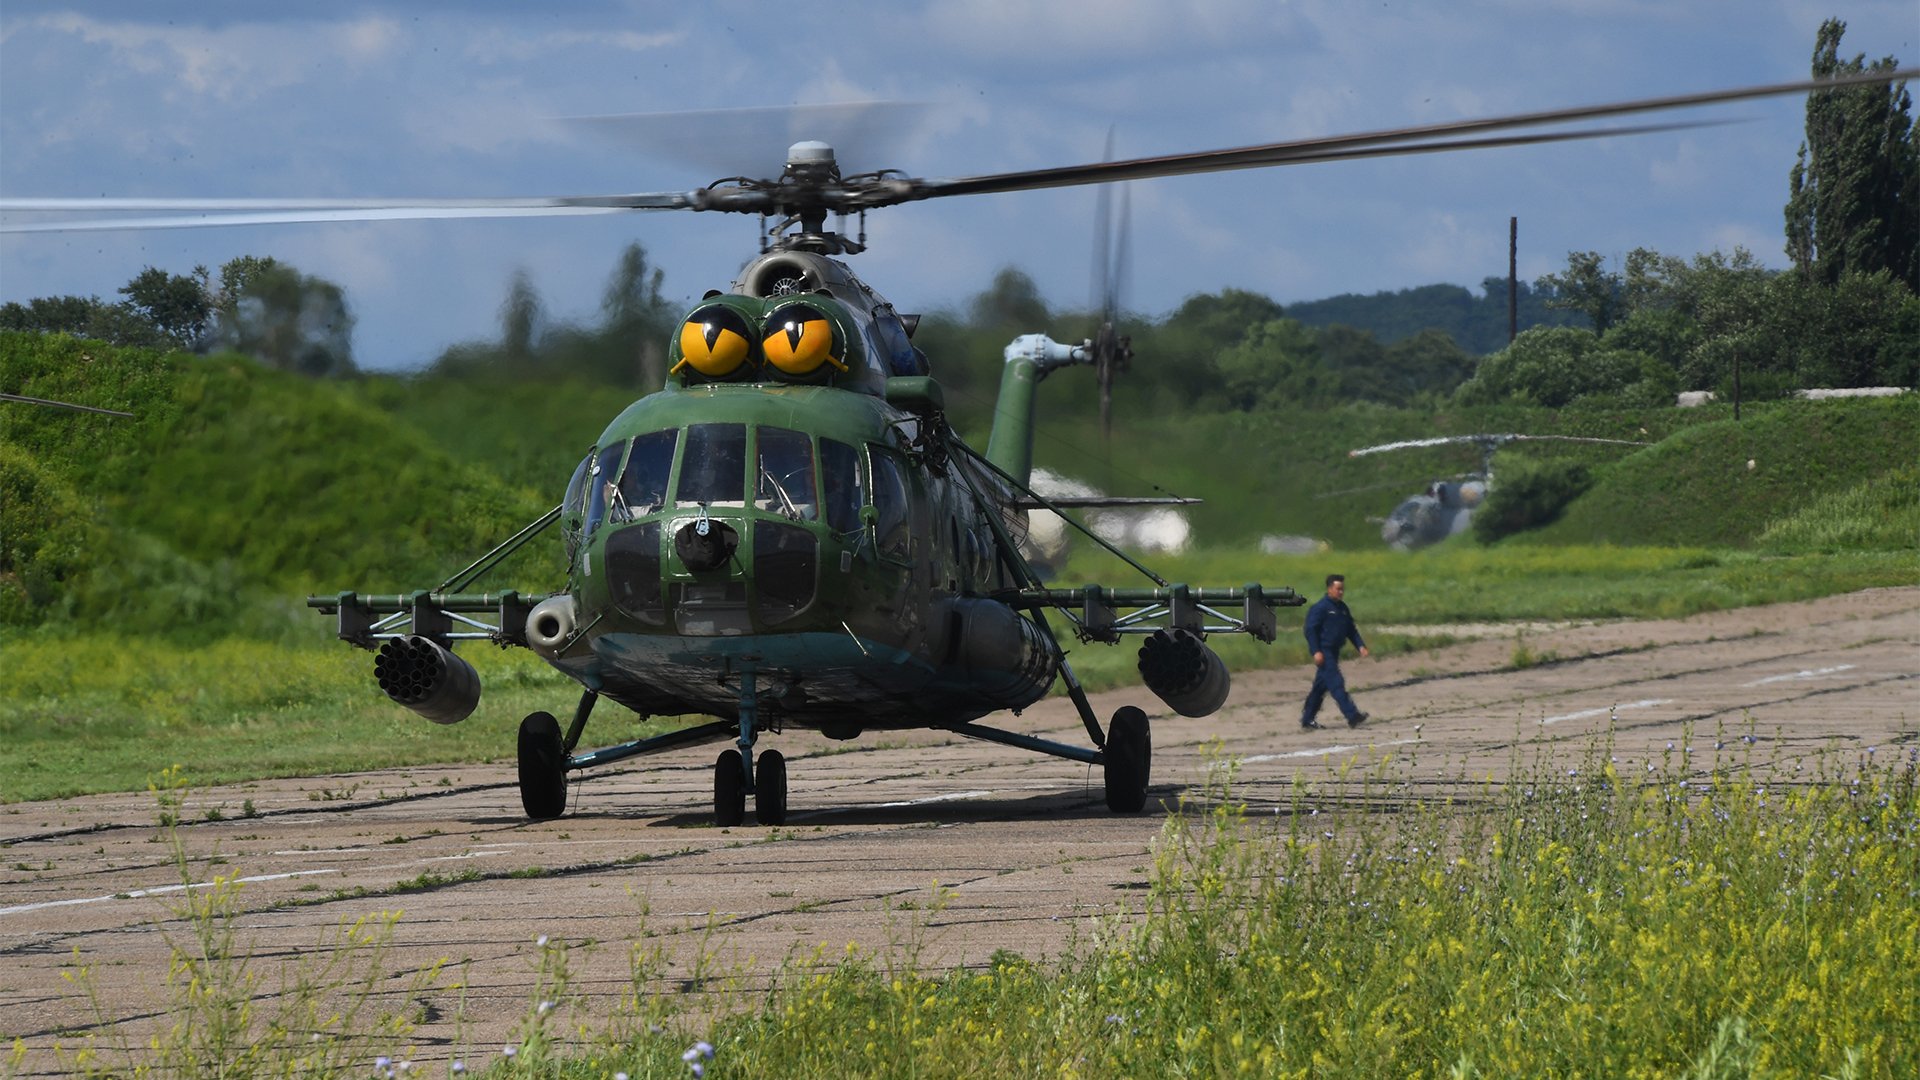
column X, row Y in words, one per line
column 705, row 544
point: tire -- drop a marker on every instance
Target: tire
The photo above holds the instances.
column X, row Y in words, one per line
column 729, row 790
column 543, row 767
column 770, row 789
column 1128, row 761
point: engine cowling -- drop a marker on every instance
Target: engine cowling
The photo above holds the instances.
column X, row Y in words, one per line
column 1005, row 658
column 550, row 625
column 426, row 677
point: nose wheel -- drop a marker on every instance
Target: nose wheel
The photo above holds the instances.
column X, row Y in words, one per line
column 1128, row 760
column 730, row 789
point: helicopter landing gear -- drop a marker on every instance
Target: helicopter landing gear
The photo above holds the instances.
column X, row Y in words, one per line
column 729, row 790
column 770, row 789
column 1128, row 759
column 543, row 767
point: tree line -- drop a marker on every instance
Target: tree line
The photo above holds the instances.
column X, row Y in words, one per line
column 1846, row 314
column 258, row 306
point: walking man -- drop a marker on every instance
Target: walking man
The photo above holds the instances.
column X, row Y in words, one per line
column 1329, row 627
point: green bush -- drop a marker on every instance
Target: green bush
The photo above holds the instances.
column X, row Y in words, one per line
column 1559, row 366
column 1529, row 494
column 44, row 537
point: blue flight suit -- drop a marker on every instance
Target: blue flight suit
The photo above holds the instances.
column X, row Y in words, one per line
column 1329, row 627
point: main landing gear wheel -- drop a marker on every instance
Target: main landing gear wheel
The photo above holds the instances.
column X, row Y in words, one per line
column 1128, row 760
column 729, row 790
column 543, row 767
column 770, row 789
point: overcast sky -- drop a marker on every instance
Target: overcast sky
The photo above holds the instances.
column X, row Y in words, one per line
column 437, row 99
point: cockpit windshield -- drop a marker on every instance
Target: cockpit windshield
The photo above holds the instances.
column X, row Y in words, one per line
column 784, row 477
column 714, row 469
column 643, row 486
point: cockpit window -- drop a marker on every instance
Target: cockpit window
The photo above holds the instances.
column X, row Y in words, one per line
column 643, row 486
column 575, row 503
column 714, row 468
column 896, row 346
column 840, row 469
column 784, row 476
column 573, row 508
column 599, row 479
column 890, row 501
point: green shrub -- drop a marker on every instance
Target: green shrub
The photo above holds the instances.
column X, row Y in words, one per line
column 44, row 537
column 1558, row 366
column 1529, row 494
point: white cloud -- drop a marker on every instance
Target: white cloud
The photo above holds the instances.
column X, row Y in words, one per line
column 1070, row 30
column 510, row 44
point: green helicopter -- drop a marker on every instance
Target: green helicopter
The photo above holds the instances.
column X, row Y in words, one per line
column 790, row 534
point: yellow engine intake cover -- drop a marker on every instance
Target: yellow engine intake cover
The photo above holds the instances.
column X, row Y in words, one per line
column 800, row 338
column 715, row 340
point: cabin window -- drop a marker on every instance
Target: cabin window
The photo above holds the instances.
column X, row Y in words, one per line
column 599, row 479
column 714, row 469
column 786, row 560
column 890, row 501
column 643, row 486
column 840, row 468
column 783, row 480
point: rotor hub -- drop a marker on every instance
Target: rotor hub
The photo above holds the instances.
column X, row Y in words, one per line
column 812, row 160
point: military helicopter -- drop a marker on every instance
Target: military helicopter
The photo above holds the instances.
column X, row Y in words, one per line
column 1446, row 507
column 790, row 534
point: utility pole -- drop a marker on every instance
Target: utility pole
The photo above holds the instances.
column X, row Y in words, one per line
column 1513, row 279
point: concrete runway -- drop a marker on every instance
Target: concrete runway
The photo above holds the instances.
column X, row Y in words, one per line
column 1022, row 845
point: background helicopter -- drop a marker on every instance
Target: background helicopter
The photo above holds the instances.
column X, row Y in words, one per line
column 790, row 533
column 1446, row 507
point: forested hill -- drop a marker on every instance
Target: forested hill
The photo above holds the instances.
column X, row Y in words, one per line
column 1476, row 323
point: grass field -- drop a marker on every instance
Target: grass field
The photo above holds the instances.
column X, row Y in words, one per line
column 87, row 711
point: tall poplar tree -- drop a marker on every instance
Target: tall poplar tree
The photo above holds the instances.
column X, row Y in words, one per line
column 1854, row 202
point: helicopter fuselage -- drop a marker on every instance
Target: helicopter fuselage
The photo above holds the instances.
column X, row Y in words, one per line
column 772, row 516
column 846, row 573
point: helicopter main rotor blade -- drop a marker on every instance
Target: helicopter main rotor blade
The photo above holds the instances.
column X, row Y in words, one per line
column 214, row 213
column 1486, row 441
column 1411, row 140
column 217, row 213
